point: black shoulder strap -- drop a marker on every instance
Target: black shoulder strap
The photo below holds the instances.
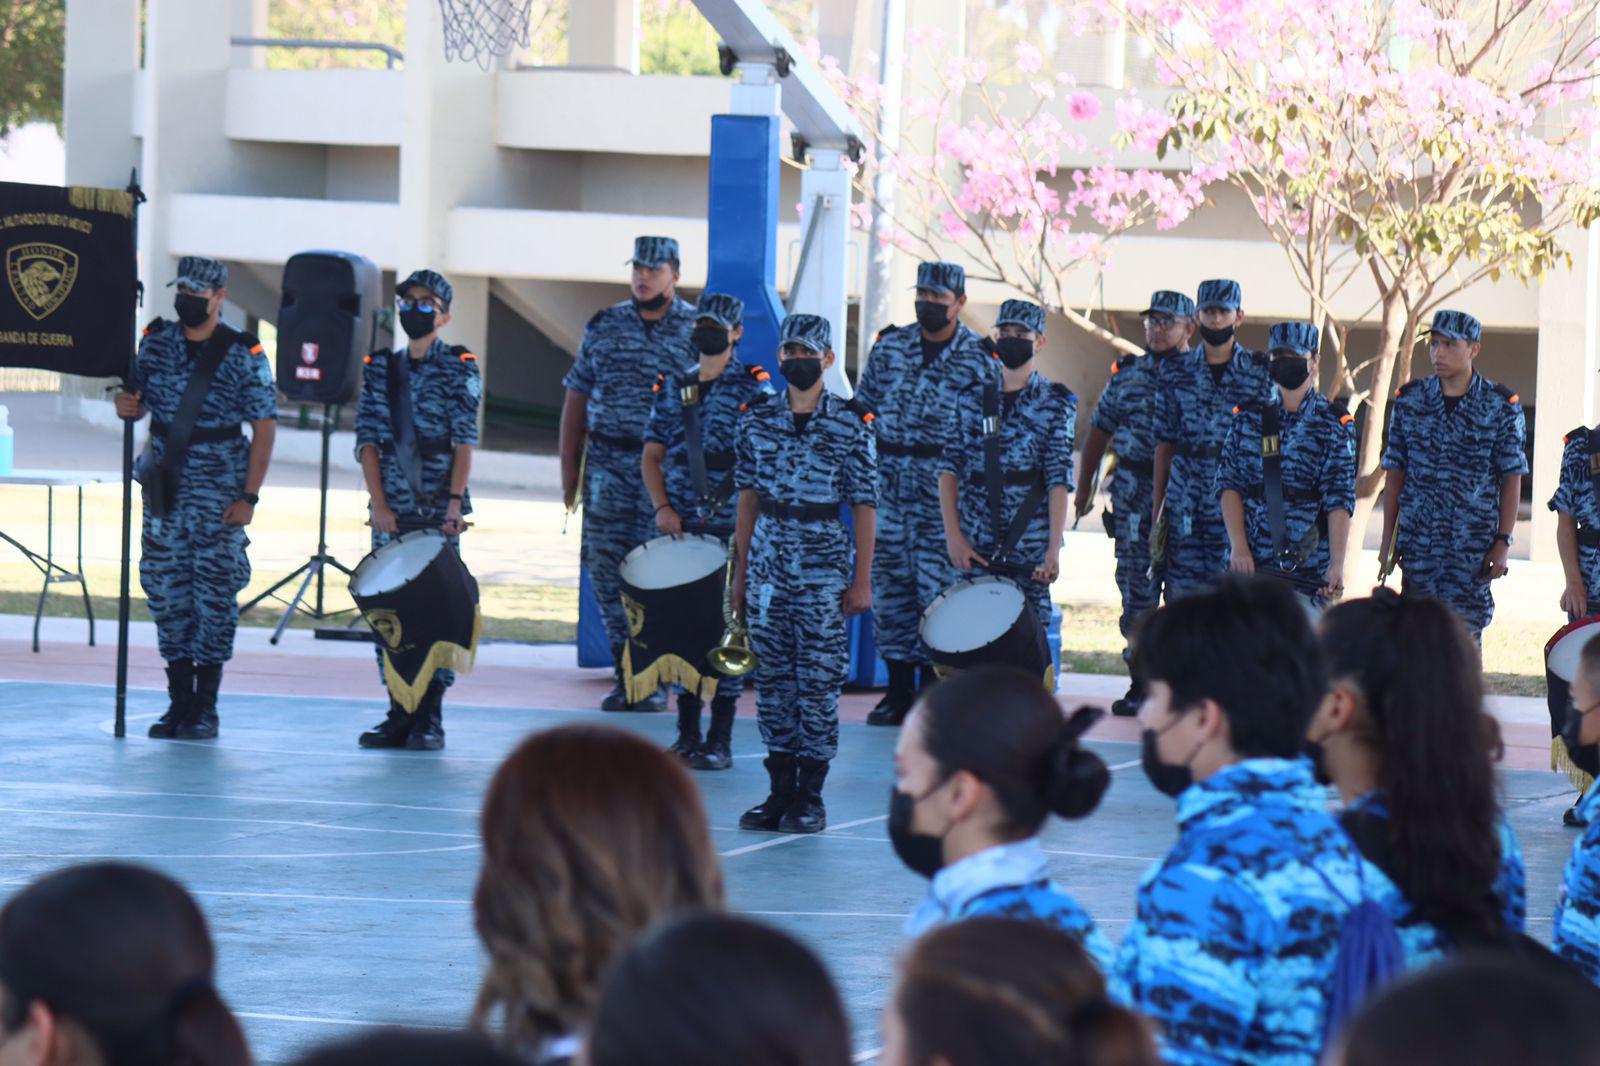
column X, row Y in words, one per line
column 689, row 406
column 403, row 423
column 1504, row 390
column 1272, row 476
column 993, row 477
column 181, row 429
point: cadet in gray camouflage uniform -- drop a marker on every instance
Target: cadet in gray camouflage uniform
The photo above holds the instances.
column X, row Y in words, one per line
column 626, row 348
column 1038, row 421
column 1455, row 460
column 800, row 456
column 719, row 389
column 192, row 562
column 910, row 383
column 416, row 462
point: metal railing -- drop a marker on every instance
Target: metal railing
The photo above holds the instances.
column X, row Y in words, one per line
column 392, row 55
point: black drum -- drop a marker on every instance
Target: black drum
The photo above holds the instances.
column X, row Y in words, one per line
column 420, row 600
column 1581, row 765
column 986, row 621
column 672, row 589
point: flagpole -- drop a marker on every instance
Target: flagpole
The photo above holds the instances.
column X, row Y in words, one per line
column 121, row 726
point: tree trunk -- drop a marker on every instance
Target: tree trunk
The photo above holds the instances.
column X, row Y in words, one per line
column 1392, row 344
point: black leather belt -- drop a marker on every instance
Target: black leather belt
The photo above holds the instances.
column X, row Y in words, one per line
column 201, row 434
column 1193, row 451
column 800, row 512
column 1139, row 467
column 915, row 451
column 425, row 446
column 1589, row 538
column 1291, row 495
column 719, row 460
column 1010, row 477
column 629, row 443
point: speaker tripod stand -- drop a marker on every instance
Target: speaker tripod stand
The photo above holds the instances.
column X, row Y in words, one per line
column 314, row 568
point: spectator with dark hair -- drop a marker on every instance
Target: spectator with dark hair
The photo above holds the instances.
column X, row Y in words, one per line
column 983, row 760
column 995, row 992
column 111, row 965
column 1404, row 735
column 409, row 1047
column 714, row 990
column 1235, row 942
column 1478, row 1009
column 590, row 836
column 1577, row 923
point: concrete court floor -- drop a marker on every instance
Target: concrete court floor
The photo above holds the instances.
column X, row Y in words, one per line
column 338, row 882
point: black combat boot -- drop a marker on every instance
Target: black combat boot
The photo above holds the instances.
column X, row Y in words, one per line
column 716, row 753
column 806, row 814
column 180, row 699
column 927, row 677
column 617, row 698
column 781, row 768
column 202, row 721
column 1129, row 704
column 688, row 742
column 902, row 693
column 391, row 732
column 427, row 729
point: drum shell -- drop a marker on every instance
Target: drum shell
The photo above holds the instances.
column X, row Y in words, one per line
column 1022, row 645
column 671, row 630
column 430, row 623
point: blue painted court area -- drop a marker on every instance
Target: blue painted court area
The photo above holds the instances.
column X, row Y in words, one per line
column 338, row 882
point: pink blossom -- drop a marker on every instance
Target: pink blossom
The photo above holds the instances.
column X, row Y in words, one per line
column 1083, row 106
column 1029, row 58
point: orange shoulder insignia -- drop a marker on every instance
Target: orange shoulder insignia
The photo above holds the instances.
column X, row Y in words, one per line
column 1236, row 410
column 1346, row 418
column 367, row 359
column 868, row 417
column 468, row 357
column 1514, row 398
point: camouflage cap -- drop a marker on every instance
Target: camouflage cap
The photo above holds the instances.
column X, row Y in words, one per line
column 431, row 280
column 653, row 251
column 942, row 277
column 1029, row 316
column 1298, row 337
column 1167, row 302
column 1455, row 325
column 1219, row 292
column 199, row 272
column 721, row 308
column 808, row 331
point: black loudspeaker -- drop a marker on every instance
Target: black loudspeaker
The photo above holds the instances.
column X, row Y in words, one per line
column 325, row 325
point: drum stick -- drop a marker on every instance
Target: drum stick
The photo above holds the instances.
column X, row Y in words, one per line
column 577, row 491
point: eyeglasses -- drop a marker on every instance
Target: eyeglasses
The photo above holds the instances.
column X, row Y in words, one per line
column 425, row 306
column 194, row 290
column 1156, row 323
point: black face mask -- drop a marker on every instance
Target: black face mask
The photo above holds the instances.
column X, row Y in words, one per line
column 1572, row 729
column 192, row 310
column 802, row 371
column 1313, row 750
column 922, row 854
column 710, row 340
column 417, row 324
column 655, row 303
column 1168, row 779
column 1216, row 337
column 1014, row 351
column 1165, row 353
column 1289, row 371
column 932, row 315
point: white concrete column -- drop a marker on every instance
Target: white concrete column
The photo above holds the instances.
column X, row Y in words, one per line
column 825, row 214
column 1568, row 359
column 250, row 19
column 184, row 150
column 102, row 59
column 604, row 33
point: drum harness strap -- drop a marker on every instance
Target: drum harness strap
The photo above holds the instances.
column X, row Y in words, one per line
column 690, row 394
column 1274, row 494
column 1006, row 537
column 161, row 483
column 407, row 447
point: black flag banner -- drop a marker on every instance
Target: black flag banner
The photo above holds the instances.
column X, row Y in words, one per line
column 66, row 299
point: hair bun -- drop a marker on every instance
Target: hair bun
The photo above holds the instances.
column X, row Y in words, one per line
column 1078, row 778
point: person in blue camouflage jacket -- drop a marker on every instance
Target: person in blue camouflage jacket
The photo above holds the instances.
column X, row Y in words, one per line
column 1124, row 421
column 1193, row 413
column 1314, row 448
column 625, row 349
column 1455, row 461
column 1038, row 421
column 910, row 384
column 423, row 484
column 1236, row 933
column 1577, row 506
column 800, row 457
column 718, row 388
column 1576, row 935
column 193, row 561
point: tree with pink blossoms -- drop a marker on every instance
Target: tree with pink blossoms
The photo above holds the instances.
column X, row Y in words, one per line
column 975, row 165
column 1399, row 151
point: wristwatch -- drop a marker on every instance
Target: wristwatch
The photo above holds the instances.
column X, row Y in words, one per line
column 1502, row 537
column 457, row 496
column 251, row 498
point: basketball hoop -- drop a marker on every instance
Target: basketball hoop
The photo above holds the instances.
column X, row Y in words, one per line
column 479, row 30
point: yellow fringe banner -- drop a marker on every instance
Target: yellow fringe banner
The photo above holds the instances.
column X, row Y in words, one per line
column 444, row 655
column 111, row 201
column 667, row 670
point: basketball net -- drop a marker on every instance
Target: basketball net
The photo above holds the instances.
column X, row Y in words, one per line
column 478, row 31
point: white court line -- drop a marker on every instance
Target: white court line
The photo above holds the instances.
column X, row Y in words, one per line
column 243, row 821
column 790, row 838
column 102, row 790
column 307, row 1019
column 867, row 1056
column 1123, row 765
column 108, row 727
column 123, row 856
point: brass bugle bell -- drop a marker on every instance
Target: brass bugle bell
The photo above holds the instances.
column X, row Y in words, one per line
column 732, row 657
